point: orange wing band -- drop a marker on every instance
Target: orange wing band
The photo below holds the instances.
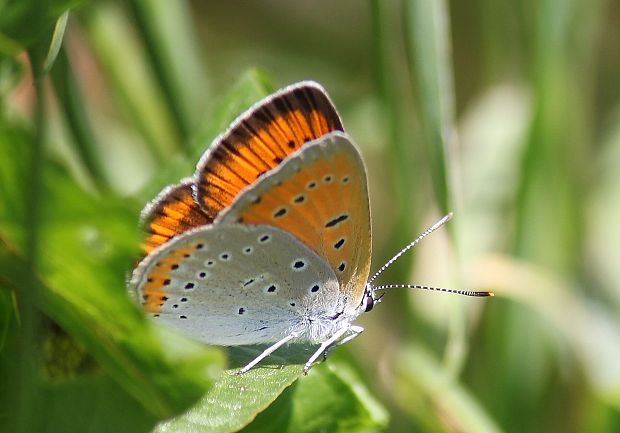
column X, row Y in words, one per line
column 175, row 211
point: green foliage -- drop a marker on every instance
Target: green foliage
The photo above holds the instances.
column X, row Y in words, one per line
column 25, row 23
column 505, row 112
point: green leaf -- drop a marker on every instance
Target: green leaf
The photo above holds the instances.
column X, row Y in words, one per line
column 26, row 22
column 330, row 398
column 235, row 400
column 56, row 42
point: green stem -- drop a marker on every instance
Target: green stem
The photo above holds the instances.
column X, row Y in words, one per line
column 27, row 296
column 169, row 38
column 72, row 103
column 430, row 53
column 428, row 40
column 399, row 151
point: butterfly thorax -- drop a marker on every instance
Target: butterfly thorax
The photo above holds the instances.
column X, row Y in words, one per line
column 316, row 322
column 317, row 327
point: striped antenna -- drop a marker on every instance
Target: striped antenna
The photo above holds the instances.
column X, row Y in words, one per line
column 435, row 289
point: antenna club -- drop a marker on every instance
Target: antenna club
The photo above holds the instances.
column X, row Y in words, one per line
column 480, row 294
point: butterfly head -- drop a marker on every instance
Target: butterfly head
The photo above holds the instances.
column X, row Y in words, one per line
column 370, row 298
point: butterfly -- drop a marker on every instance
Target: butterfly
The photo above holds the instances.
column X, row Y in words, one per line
column 270, row 240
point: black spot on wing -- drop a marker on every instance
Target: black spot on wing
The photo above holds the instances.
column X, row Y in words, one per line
column 334, row 222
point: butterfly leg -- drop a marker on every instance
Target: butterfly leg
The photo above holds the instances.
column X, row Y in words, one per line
column 357, row 330
column 268, row 351
column 332, row 342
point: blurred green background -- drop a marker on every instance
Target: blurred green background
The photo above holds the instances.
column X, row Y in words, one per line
column 506, row 112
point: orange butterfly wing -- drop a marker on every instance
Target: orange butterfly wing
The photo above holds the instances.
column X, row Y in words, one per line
column 260, row 140
column 173, row 212
column 320, row 196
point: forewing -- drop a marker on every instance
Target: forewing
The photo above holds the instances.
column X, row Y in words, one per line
column 320, row 196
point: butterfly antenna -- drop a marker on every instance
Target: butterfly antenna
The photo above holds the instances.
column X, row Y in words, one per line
column 434, row 289
column 424, row 234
